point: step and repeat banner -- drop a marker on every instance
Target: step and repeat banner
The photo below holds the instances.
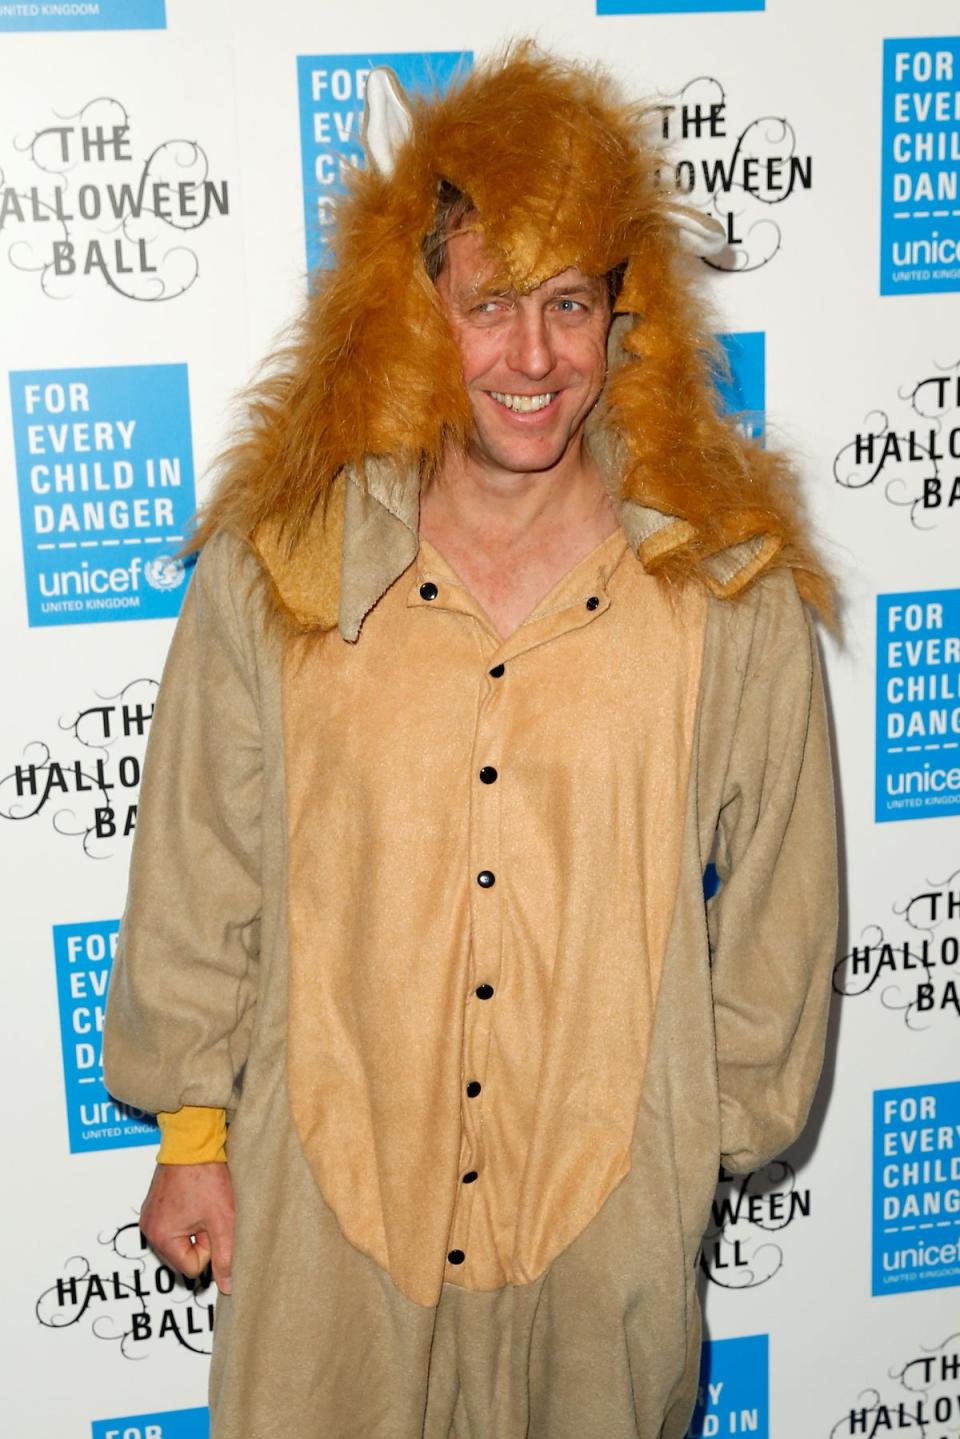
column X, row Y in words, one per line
column 167, row 175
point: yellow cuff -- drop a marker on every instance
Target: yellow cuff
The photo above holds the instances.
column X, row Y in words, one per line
column 192, row 1135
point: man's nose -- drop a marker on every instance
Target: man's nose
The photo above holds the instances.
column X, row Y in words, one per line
column 531, row 349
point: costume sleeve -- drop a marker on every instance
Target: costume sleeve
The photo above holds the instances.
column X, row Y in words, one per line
column 773, row 922
column 183, row 988
column 193, row 1135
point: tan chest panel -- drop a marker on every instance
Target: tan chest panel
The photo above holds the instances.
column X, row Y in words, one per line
column 484, row 844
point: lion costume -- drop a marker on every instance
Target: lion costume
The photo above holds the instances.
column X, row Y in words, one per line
column 422, row 907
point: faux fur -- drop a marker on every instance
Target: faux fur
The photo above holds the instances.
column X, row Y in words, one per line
column 560, row 173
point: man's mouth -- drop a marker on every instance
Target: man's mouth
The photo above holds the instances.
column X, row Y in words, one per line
column 523, row 404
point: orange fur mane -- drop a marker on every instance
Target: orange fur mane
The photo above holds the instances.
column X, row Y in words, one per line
column 560, row 174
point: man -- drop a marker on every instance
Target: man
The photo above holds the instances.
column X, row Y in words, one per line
column 494, row 642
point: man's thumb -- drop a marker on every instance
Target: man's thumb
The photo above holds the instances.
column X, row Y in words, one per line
column 221, row 1255
column 189, row 1254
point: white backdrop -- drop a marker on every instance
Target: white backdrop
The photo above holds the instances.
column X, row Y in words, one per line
column 828, row 139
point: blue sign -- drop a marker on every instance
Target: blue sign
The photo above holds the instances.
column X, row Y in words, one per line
column 85, row 15
column 674, row 7
column 920, row 196
column 918, row 705
column 84, row 958
column 172, row 1424
column 744, row 392
column 734, row 1394
column 331, row 91
column 916, row 1188
column 105, row 471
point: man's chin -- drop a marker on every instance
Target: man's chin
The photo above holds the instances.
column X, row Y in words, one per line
column 519, row 458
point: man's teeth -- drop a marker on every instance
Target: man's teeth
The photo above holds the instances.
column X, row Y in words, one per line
column 523, row 404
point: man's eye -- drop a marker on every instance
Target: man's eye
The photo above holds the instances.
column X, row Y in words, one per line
column 569, row 307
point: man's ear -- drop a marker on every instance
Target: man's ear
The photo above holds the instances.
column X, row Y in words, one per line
column 387, row 120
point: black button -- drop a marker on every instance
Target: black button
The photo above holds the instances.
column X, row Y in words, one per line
column 473, row 1089
column 497, row 671
column 486, row 878
column 592, row 602
column 484, row 991
column 428, row 591
column 456, row 1256
column 488, row 774
column 469, row 1177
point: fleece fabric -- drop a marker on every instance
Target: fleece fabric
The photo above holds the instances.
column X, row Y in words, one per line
column 280, row 958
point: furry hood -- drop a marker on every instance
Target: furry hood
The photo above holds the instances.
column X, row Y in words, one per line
column 560, row 173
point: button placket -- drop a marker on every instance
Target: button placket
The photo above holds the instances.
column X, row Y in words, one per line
column 484, row 989
column 569, row 616
column 441, row 595
column 488, row 977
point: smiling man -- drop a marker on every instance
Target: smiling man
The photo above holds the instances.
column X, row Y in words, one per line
column 522, row 501
column 497, row 638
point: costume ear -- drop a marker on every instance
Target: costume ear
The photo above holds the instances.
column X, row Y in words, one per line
column 699, row 233
column 387, row 120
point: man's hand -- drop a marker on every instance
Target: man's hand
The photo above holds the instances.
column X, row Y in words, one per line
column 187, row 1217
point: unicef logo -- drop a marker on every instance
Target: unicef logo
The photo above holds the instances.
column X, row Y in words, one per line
column 164, row 573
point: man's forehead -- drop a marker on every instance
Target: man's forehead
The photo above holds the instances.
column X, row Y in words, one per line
column 571, row 279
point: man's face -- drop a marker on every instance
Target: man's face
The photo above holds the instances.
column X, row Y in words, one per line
column 533, row 364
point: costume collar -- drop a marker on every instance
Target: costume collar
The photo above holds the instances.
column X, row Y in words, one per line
column 367, row 535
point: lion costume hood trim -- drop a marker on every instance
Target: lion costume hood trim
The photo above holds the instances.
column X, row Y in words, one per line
column 371, row 389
